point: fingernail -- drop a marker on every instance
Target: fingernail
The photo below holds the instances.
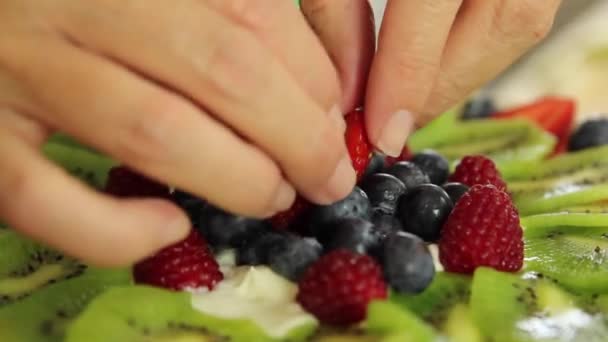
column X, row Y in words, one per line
column 336, row 114
column 284, row 197
column 395, row 133
column 342, row 181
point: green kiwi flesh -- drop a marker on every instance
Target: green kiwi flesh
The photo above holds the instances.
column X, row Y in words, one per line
column 515, row 308
column 571, row 180
column 63, row 139
column 459, row 326
column 26, row 267
column 392, row 322
column 571, row 248
column 501, row 140
column 46, row 313
column 141, row 313
column 90, row 167
column 434, row 304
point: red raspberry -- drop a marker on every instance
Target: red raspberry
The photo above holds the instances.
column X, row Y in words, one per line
column 284, row 219
column 359, row 147
column 123, row 182
column 188, row 264
column 474, row 170
column 338, row 287
column 482, row 230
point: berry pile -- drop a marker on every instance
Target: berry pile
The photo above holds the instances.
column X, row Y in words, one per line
column 345, row 254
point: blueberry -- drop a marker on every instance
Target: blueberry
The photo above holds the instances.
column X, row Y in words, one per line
column 423, row 210
column 191, row 204
column 354, row 234
column 223, row 229
column 480, row 107
column 591, row 133
column 433, row 165
column 383, row 191
column 407, row 263
column 455, row 190
column 286, row 254
column 386, row 224
column 409, row 173
column 376, row 164
column 355, row 205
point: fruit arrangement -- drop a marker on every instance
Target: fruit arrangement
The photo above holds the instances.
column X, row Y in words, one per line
column 491, row 226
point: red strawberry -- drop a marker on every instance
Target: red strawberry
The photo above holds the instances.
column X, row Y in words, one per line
column 188, row 264
column 474, row 170
column 285, row 218
column 482, row 230
column 123, row 182
column 553, row 114
column 359, row 147
column 338, row 287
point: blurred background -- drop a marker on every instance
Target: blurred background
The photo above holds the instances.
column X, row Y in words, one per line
column 572, row 61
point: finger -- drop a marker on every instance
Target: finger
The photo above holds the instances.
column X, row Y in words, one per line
column 410, row 46
column 346, row 28
column 224, row 68
column 486, row 38
column 148, row 128
column 83, row 223
column 280, row 26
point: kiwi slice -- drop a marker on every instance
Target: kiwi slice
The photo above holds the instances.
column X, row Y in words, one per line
column 434, row 304
column 45, row 313
column 508, row 308
column 88, row 166
column 141, row 313
column 501, row 140
column 460, row 327
column 392, row 322
column 571, row 248
column 63, row 139
column 571, row 180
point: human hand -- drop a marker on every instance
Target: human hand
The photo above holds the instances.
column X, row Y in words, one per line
column 229, row 100
column 431, row 54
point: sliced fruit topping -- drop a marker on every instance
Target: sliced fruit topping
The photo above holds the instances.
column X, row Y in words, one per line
column 478, row 170
column 482, row 230
column 406, row 262
column 434, row 304
column 434, row 165
column 392, row 323
column 339, row 286
column 85, row 165
column 591, row 133
column 188, row 264
column 570, row 248
column 47, row 312
column 423, row 211
column 572, row 179
column 123, row 182
column 507, row 307
column 358, row 145
column 500, row 140
column 553, row 114
column 141, row 313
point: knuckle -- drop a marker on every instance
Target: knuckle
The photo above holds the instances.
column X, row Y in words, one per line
column 254, row 14
column 318, row 159
column 525, row 21
column 146, row 136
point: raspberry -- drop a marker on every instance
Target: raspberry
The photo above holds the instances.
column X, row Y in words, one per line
column 474, row 170
column 187, row 264
column 338, row 287
column 359, row 147
column 123, row 182
column 482, row 230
